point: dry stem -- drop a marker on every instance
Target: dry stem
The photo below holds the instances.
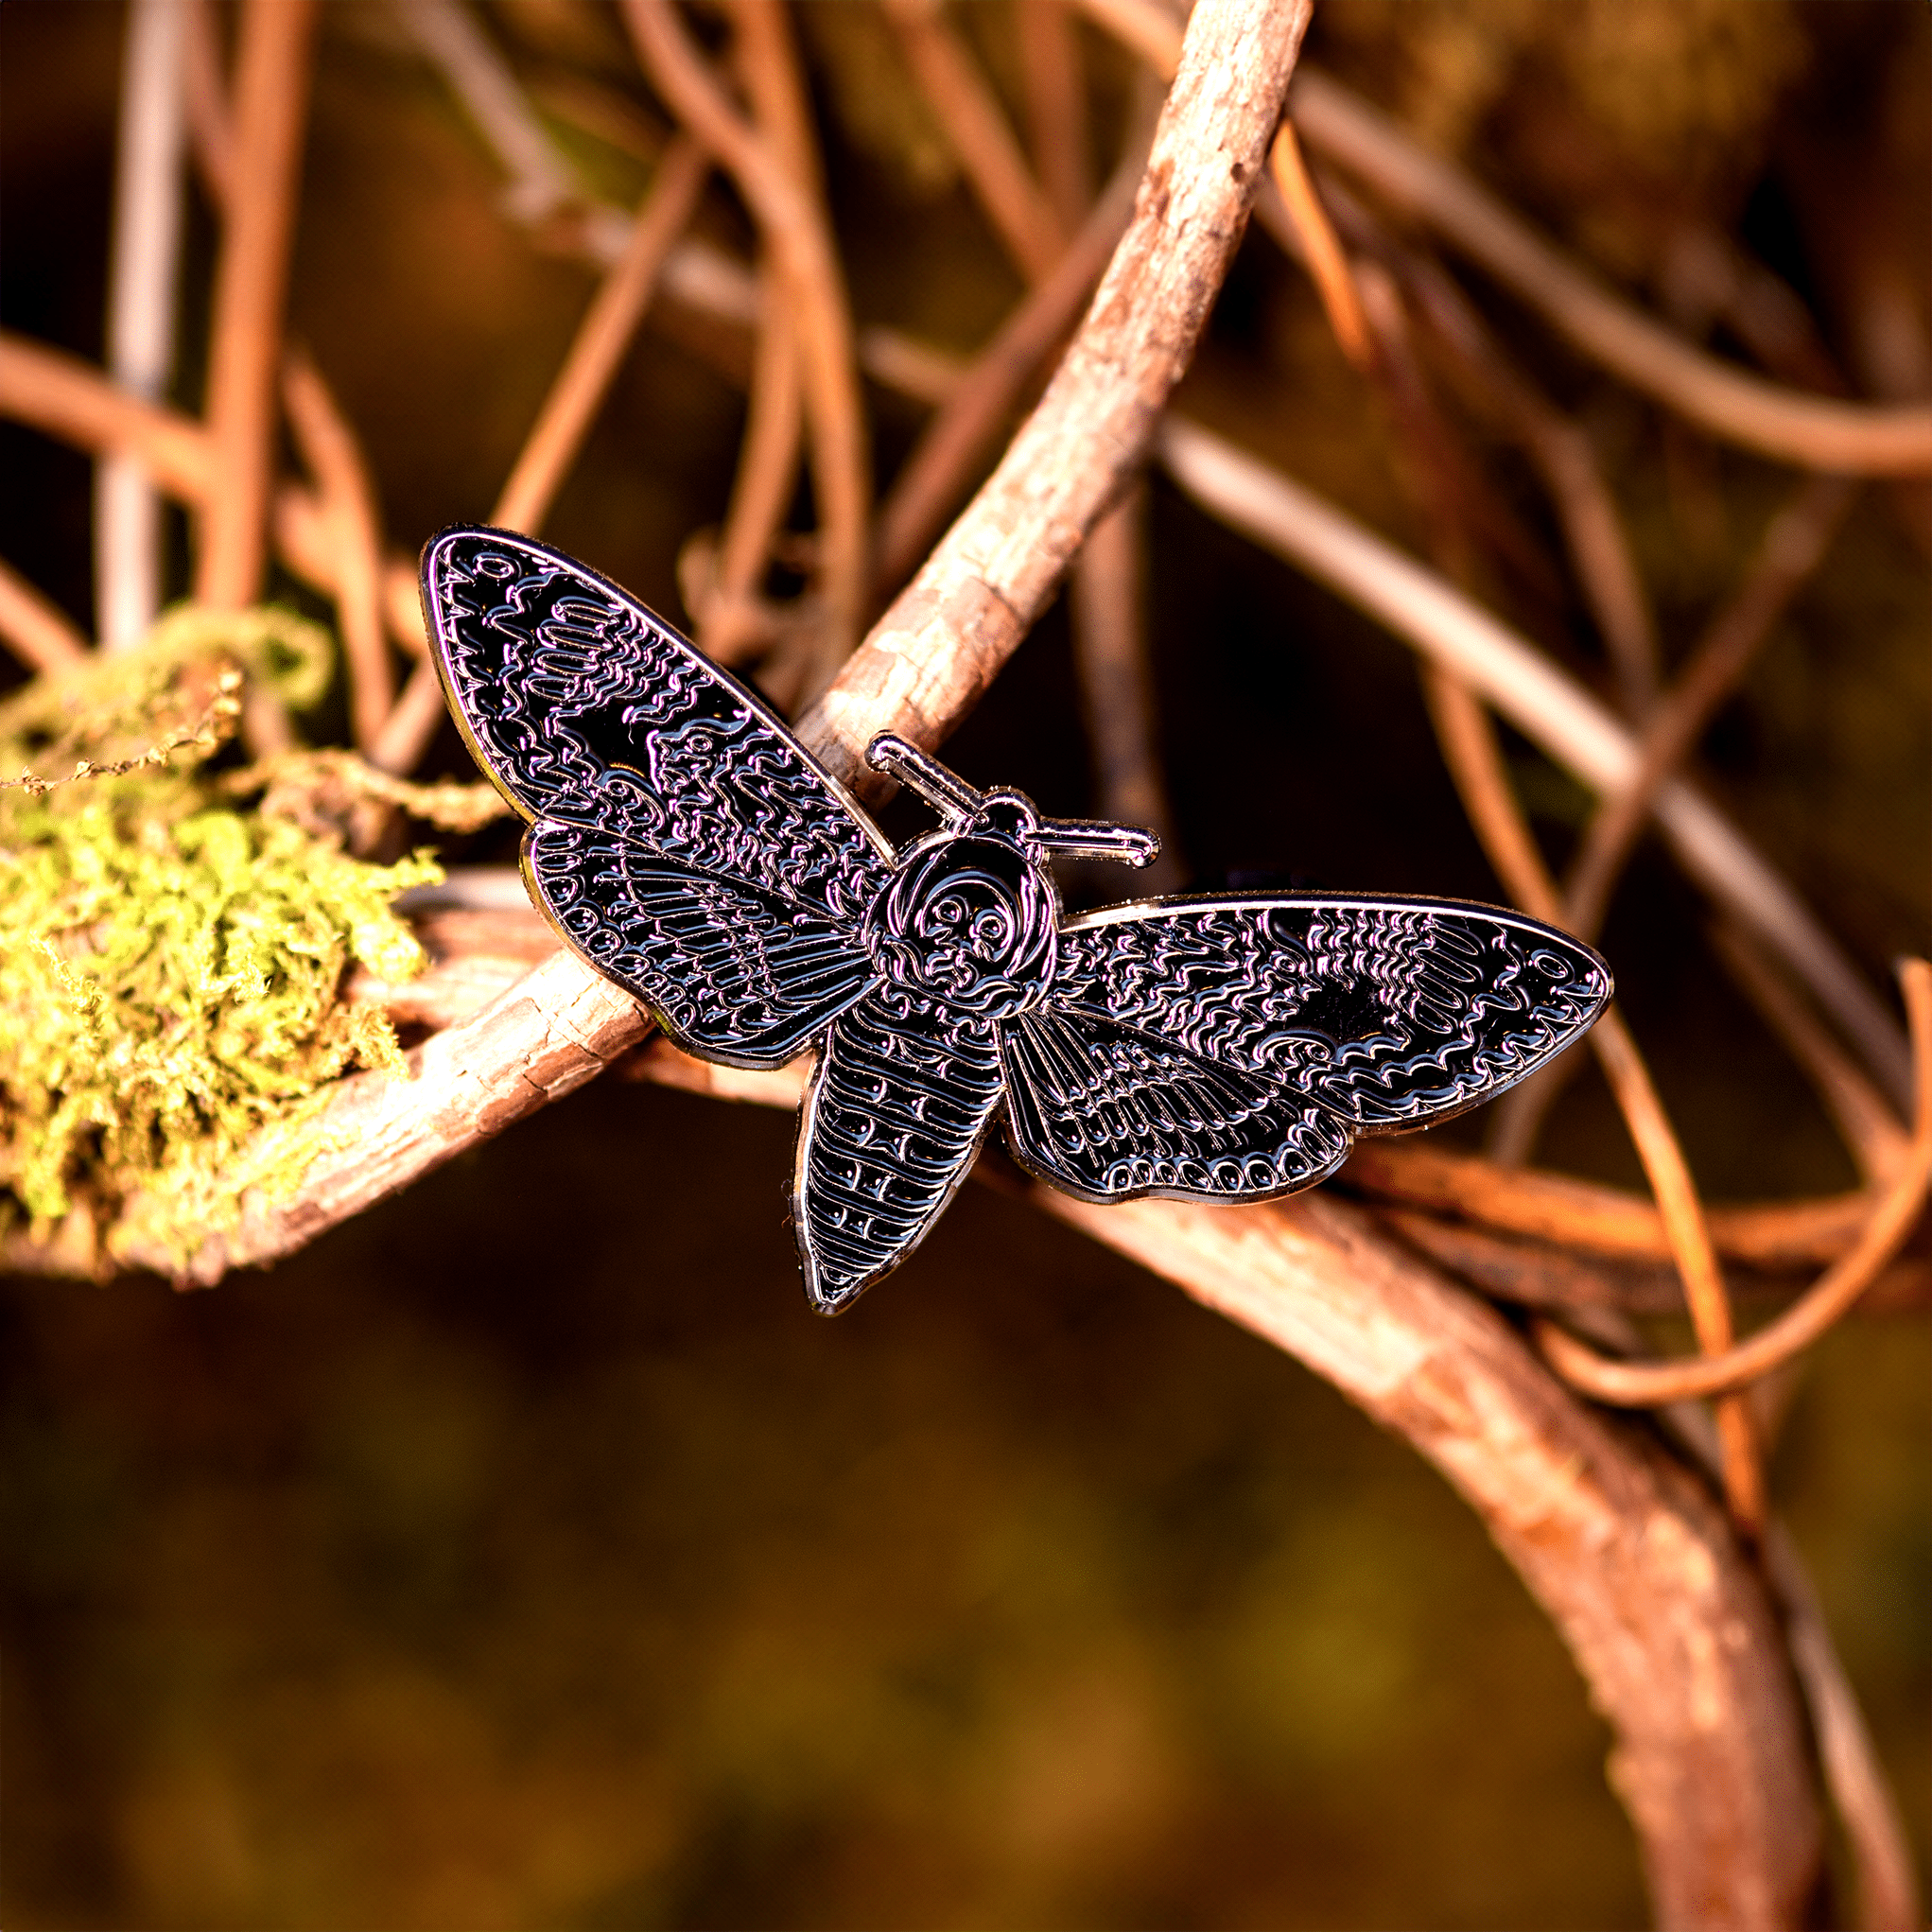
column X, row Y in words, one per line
column 946, row 634
column 271, row 96
column 796, row 230
column 35, row 629
column 996, row 170
column 603, row 336
column 348, row 504
column 1647, row 1384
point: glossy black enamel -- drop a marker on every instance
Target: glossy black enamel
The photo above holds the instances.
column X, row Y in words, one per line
column 689, row 848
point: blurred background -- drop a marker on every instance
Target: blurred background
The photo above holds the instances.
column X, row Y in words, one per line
column 523, row 1553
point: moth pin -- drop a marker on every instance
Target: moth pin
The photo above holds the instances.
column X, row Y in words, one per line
column 687, row 847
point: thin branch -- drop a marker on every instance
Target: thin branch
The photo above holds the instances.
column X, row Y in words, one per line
column 1320, row 250
column 934, row 475
column 413, row 724
column 1475, row 761
column 1815, row 432
column 1616, row 1541
column 329, row 447
column 1428, row 613
column 1051, row 69
column 541, row 182
column 797, row 230
column 1867, row 1125
column 767, row 464
column 601, row 341
column 63, row 396
column 1793, row 546
column 37, row 630
column 1595, row 1219
column 996, row 170
column 1116, row 689
column 946, row 634
column 1888, row 1897
column 1564, row 457
column 141, row 310
column 211, row 134
column 1647, row 1384
column 271, row 96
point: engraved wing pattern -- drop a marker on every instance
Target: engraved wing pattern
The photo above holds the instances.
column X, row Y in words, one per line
column 1388, row 1012
column 689, row 847
column 1108, row 1112
column 624, row 744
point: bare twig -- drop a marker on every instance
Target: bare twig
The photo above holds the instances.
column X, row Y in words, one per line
column 937, row 648
column 1320, row 250
column 1597, row 1525
column 1867, row 1125
column 1793, row 545
column 1888, row 1898
column 1817, row 432
column 1593, row 530
column 601, row 341
column 796, row 229
column 348, row 501
column 1117, row 696
column 1432, row 617
column 206, row 98
column 1475, row 761
column 414, row 721
column 1056, row 127
column 996, row 170
column 66, row 397
column 271, row 91
column 1646, row 1384
column 541, row 182
column 37, row 630
column 141, row 306
column 935, row 474
column 767, row 464
column 1595, row 1219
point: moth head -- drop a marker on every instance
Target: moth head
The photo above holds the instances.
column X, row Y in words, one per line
column 970, row 918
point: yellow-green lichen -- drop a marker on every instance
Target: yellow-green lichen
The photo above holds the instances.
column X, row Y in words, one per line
column 170, row 965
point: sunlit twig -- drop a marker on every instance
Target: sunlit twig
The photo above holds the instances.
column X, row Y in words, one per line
column 141, row 311
column 579, row 388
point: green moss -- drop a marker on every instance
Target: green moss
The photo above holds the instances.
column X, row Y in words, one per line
column 170, row 965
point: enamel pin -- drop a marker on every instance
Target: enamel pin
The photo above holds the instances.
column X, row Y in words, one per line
column 1215, row 1048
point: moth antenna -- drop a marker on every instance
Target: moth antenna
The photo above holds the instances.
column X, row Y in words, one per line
column 1080, row 838
column 946, row 793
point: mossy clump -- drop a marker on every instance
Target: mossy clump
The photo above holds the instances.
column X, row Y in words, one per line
column 170, row 966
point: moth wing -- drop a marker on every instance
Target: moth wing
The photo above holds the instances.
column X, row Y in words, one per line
column 1391, row 1012
column 900, row 1101
column 586, row 709
column 1109, row 1113
column 732, row 971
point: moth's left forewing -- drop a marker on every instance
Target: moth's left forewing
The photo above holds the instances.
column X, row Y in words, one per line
column 1391, row 1012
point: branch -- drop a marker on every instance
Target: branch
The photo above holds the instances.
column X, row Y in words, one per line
column 1815, row 432
column 271, row 92
column 946, row 634
column 1430, row 616
column 35, row 629
column 598, row 348
column 796, row 229
column 141, row 309
column 1646, row 1384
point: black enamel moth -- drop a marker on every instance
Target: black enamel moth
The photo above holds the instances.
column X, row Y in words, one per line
column 684, row 842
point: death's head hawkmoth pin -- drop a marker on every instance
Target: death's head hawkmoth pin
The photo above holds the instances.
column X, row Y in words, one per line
column 687, row 847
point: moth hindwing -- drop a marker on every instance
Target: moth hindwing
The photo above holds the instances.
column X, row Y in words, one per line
column 689, row 848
